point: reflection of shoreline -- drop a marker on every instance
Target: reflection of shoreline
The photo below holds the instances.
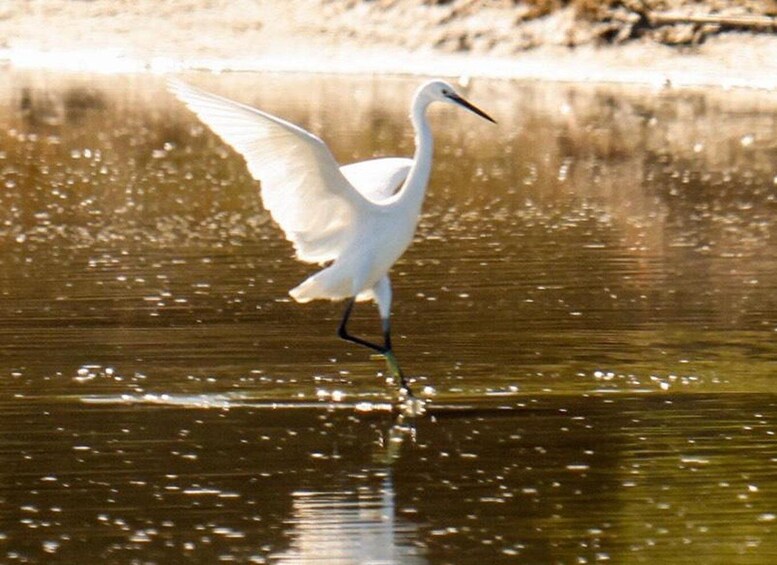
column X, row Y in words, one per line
column 653, row 178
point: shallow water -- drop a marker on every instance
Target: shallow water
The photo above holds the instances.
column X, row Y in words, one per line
column 589, row 304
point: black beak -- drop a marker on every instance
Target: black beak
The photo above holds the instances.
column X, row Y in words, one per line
column 471, row 107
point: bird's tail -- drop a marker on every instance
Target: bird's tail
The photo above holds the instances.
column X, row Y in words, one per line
column 304, row 292
column 329, row 284
column 322, row 285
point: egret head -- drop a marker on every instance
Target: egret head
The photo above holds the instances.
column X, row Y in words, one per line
column 438, row 90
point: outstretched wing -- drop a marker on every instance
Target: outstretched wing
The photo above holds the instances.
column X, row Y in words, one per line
column 301, row 184
column 378, row 179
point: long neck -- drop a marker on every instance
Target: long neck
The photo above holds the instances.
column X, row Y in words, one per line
column 413, row 190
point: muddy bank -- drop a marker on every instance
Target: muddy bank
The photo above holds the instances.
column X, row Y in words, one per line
column 585, row 40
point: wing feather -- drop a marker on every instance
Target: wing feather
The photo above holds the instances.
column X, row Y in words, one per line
column 378, row 179
column 301, row 183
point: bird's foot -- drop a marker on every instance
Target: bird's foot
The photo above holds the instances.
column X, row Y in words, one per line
column 410, row 405
column 396, row 374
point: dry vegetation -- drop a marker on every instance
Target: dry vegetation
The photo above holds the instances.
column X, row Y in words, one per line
column 514, row 25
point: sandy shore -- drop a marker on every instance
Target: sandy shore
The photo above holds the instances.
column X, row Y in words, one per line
column 358, row 37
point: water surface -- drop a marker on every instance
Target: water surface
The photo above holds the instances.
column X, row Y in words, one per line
column 590, row 304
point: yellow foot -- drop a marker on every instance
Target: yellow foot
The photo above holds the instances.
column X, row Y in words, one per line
column 393, row 366
column 409, row 405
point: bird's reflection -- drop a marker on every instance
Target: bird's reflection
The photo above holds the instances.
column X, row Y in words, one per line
column 358, row 524
column 390, row 443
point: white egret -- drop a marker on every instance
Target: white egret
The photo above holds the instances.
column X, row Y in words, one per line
column 357, row 220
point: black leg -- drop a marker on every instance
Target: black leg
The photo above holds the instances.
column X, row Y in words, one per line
column 384, row 350
column 342, row 331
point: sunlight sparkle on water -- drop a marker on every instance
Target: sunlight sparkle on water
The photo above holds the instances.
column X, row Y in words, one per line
column 587, row 313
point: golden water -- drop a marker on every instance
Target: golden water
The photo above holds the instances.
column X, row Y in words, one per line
column 590, row 304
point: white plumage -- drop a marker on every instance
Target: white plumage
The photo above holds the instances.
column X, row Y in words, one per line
column 359, row 218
